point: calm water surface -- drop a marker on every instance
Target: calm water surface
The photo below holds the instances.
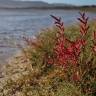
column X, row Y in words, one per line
column 16, row 23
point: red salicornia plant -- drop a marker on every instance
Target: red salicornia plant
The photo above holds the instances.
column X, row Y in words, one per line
column 83, row 24
column 67, row 52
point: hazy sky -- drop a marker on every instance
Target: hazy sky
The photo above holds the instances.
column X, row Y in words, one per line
column 76, row 2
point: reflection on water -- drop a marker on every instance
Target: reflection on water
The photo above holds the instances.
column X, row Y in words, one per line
column 16, row 23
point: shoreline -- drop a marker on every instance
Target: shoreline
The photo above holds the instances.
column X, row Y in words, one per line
column 53, row 8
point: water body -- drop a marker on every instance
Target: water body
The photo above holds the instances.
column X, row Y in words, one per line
column 15, row 24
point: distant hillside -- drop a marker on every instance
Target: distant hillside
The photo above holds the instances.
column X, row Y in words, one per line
column 22, row 4
column 36, row 4
column 28, row 4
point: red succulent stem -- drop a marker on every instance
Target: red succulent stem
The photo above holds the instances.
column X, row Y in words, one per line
column 83, row 24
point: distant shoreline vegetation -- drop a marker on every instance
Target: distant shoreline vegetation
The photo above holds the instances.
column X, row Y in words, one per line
column 93, row 7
